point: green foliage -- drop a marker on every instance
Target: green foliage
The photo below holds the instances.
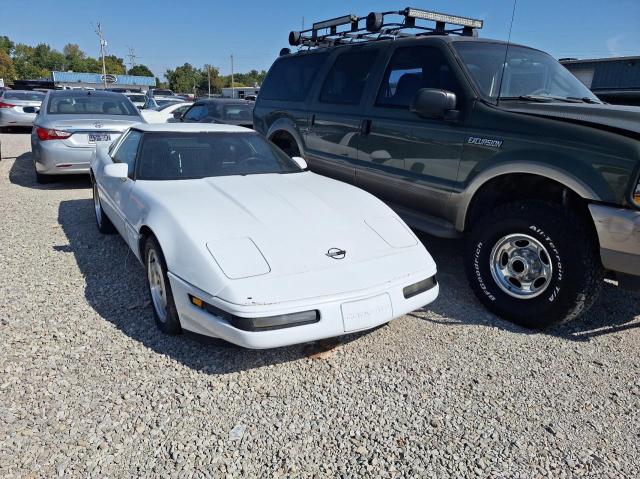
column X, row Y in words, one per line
column 7, row 71
column 6, row 45
column 140, row 70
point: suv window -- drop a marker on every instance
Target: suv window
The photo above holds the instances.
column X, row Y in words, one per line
column 196, row 113
column 290, row 77
column 412, row 68
column 126, row 152
column 348, row 76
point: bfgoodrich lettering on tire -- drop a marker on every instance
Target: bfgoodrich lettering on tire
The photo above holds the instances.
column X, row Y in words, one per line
column 533, row 263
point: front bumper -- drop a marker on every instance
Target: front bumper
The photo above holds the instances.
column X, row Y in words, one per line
column 619, row 236
column 53, row 157
column 339, row 314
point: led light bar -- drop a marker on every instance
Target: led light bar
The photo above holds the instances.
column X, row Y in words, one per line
column 443, row 18
column 335, row 22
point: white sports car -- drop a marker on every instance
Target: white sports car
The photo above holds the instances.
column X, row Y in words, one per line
column 241, row 242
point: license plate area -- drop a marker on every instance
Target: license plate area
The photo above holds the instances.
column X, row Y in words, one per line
column 94, row 137
column 366, row 313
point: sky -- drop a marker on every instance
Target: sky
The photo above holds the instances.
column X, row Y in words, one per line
column 168, row 33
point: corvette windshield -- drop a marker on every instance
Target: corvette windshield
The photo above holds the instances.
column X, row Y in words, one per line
column 182, row 156
column 528, row 74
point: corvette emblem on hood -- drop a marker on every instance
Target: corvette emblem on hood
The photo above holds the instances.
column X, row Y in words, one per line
column 336, row 253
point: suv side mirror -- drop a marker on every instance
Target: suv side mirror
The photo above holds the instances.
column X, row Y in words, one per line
column 177, row 115
column 435, row 104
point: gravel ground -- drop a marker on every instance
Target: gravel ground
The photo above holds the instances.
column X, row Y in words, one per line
column 90, row 388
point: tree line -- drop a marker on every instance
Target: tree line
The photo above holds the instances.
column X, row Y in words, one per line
column 21, row 61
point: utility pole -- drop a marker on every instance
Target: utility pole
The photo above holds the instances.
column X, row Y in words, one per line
column 103, row 44
column 233, row 83
column 209, row 78
column 132, row 57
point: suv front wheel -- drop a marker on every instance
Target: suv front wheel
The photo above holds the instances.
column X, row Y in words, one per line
column 533, row 263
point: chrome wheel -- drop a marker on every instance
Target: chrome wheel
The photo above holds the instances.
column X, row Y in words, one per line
column 96, row 204
column 156, row 285
column 521, row 266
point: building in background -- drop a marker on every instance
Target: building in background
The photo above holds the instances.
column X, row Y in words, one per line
column 95, row 81
column 614, row 80
column 240, row 92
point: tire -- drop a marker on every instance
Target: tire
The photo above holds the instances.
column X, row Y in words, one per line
column 534, row 264
column 43, row 179
column 105, row 226
column 162, row 303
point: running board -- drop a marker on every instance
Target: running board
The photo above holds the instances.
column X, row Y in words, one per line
column 426, row 223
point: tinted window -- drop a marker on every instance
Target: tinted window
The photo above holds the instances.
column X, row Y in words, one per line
column 412, row 68
column 348, row 77
column 160, row 92
column 290, row 77
column 91, row 105
column 527, row 72
column 181, row 156
column 237, row 112
column 196, row 113
column 168, row 105
column 137, row 98
column 23, row 95
column 126, row 152
column 181, row 109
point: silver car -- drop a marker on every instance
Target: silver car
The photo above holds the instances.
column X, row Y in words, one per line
column 70, row 125
column 19, row 107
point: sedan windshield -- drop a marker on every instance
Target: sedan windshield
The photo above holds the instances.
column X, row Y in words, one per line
column 168, row 105
column 165, row 103
column 84, row 104
column 182, row 156
column 528, row 74
column 23, row 95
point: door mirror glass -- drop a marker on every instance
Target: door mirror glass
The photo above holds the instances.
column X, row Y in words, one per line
column 301, row 162
column 435, row 104
column 177, row 115
column 117, row 170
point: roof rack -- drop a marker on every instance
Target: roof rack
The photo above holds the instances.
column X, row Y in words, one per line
column 328, row 32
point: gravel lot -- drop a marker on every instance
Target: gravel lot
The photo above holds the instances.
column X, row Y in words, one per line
column 90, row 388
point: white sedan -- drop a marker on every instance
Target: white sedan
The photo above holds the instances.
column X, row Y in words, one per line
column 241, row 242
column 164, row 113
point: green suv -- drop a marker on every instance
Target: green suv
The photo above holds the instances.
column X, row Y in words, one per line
column 470, row 137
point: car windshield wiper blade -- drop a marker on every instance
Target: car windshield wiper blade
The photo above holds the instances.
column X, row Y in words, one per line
column 585, row 99
column 541, row 99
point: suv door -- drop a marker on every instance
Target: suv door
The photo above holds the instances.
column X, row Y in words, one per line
column 406, row 160
column 336, row 116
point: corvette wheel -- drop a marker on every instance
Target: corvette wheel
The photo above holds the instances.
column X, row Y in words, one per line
column 164, row 307
column 105, row 226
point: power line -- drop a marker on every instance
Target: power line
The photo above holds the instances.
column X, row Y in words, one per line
column 103, row 44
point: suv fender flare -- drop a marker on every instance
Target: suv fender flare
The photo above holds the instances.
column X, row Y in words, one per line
column 286, row 125
column 559, row 175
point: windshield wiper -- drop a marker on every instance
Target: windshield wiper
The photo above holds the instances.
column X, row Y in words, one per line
column 585, row 99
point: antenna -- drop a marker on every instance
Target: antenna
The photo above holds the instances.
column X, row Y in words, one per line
column 132, row 57
column 506, row 52
column 103, row 44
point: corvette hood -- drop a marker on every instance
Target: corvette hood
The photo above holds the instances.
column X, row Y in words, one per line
column 619, row 117
column 280, row 225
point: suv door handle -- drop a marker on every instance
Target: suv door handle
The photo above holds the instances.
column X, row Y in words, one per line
column 365, row 127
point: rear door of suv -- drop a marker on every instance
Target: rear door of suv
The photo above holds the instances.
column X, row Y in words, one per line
column 336, row 112
column 406, row 160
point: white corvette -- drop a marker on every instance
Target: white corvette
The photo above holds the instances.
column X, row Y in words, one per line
column 242, row 243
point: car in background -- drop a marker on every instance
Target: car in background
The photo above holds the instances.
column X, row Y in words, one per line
column 240, row 242
column 220, row 110
column 154, row 92
column 152, row 103
column 137, row 98
column 70, row 125
column 19, row 107
column 167, row 112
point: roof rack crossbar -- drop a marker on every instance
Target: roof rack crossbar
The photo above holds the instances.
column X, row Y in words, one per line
column 327, row 32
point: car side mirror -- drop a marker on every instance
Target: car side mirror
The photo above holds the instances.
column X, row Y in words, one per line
column 117, row 170
column 301, row 162
column 177, row 115
column 435, row 104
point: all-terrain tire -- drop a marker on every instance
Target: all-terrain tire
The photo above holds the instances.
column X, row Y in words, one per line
column 577, row 273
